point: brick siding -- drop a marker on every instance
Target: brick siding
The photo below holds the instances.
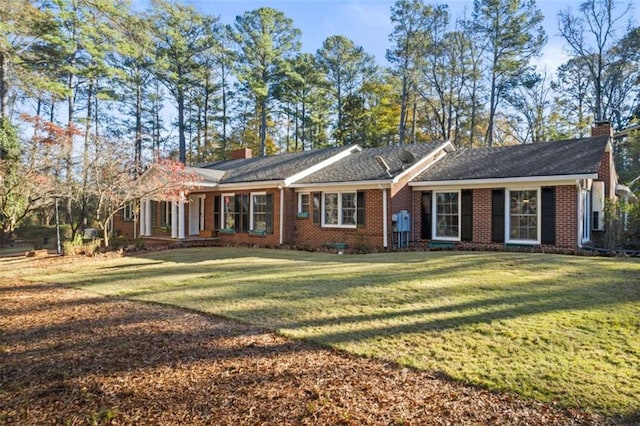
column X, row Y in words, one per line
column 566, row 220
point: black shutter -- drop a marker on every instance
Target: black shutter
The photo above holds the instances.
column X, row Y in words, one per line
column 425, row 234
column 216, row 212
column 269, row 218
column 548, row 215
column 316, row 207
column 466, row 233
column 244, row 212
column 497, row 215
column 237, row 208
column 360, row 208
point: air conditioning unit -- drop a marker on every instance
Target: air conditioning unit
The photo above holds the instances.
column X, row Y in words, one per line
column 598, row 205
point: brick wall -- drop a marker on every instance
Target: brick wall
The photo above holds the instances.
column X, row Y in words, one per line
column 566, row 216
column 124, row 227
column 566, row 219
column 482, row 216
column 367, row 237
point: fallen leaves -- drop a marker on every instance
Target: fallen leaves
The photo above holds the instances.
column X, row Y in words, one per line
column 76, row 358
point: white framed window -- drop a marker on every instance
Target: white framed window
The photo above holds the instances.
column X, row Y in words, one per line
column 303, row 202
column 523, row 215
column 228, row 211
column 339, row 209
column 258, row 211
column 128, row 211
column 446, row 211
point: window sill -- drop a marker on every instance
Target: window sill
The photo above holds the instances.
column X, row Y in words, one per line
column 340, row 226
column 261, row 234
column 227, row 231
column 302, row 215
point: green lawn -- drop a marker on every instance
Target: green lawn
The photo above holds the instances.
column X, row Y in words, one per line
column 553, row 328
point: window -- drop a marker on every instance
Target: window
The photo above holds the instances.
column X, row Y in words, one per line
column 340, row 209
column 303, row 203
column 523, row 215
column 447, row 215
column 165, row 213
column 128, row 211
column 228, row 211
column 258, row 212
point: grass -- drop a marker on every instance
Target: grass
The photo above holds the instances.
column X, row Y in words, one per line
column 558, row 329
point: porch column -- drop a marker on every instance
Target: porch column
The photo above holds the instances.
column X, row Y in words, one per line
column 147, row 215
column 143, row 217
column 181, row 232
column 174, row 219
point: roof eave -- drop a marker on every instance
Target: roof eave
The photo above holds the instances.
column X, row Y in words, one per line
column 426, row 162
column 360, row 184
column 321, row 165
column 555, row 179
column 251, row 185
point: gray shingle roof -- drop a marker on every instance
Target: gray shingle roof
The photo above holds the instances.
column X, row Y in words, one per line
column 363, row 166
column 561, row 158
column 274, row 167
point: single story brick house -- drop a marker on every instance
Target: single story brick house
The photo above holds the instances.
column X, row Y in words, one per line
column 430, row 195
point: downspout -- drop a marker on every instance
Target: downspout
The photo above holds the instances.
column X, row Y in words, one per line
column 579, row 213
column 281, row 215
column 385, row 238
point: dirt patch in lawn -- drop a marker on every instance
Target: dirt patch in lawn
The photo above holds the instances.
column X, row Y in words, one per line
column 70, row 357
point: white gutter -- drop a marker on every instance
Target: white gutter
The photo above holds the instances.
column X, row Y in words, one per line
column 281, row 215
column 360, row 184
column 251, row 185
column 566, row 179
column 580, row 217
column 385, row 231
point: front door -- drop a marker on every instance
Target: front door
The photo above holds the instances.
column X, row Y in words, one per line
column 196, row 214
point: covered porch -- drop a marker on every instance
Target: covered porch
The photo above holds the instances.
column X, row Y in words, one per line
column 172, row 220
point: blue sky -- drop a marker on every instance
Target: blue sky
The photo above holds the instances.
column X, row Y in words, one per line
column 367, row 22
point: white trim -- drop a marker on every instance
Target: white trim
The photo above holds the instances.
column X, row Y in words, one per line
column 343, row 186
column 250, row 185
column 479, row 183
column 281, row 227
column 174, row 218
column 299, row 205
column 339, row 207
column 321, row 165
column 507, row 215
column 251, row 195
column 434, row 215
column 142, row 219
column 181, row 233
column 430, row 159
column 385, row 226
column 222, row 213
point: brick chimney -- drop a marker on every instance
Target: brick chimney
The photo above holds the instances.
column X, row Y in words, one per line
column 237, row 154
column 602, row 128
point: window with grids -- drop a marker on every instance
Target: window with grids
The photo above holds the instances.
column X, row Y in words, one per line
column 523, row 215
column 128, row 211
column 259, row 212
column 340, row 209
column 228, row 211
column 447, row 215
column 303, row 203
